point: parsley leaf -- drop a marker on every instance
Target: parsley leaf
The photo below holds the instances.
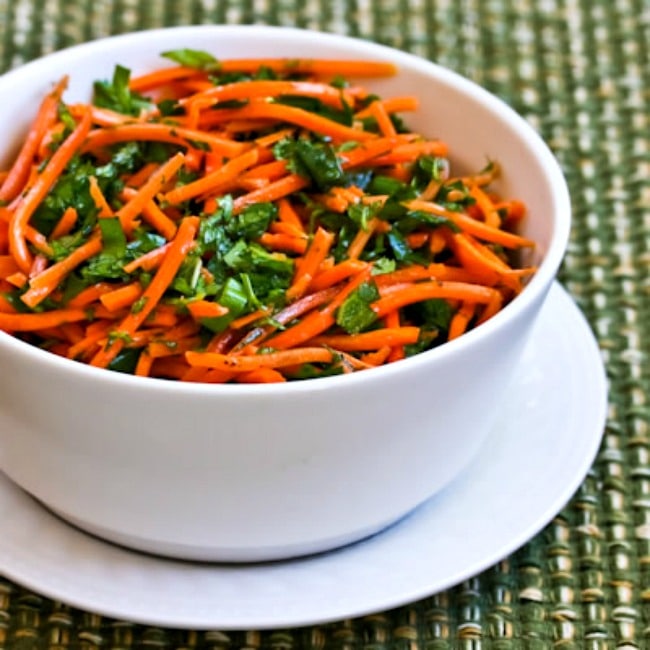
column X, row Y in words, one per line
column 355, row 314
column 315, row 161
column 116, row 94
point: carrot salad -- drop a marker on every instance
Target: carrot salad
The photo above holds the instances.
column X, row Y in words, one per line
column 246, row 221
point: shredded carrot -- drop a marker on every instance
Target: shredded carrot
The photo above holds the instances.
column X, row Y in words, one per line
column 248, row 229
column 31, row 200
column 65, row 223
column 42, row 285
column 17, row 176
column 122, row 297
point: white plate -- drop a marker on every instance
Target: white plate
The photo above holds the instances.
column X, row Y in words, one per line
column 531, row 465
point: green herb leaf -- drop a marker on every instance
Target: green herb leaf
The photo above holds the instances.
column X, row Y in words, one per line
column 113, row 237
column 355, row 314
column 192, row 59
column 233, row 296
column 116, row 94
column 315, row 161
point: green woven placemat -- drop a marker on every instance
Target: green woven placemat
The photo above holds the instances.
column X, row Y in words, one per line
column 579, row 71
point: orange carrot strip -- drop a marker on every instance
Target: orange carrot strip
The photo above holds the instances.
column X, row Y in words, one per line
column 266, row 141
column 493, row 306
column 99, row 199
column 38, row 321
column 317, row 321
column 378, row 111
column 102, row 116
column 153, row 215
column 416, row 272
column 206, row 309
column 490, row 215
column 144, row 364
column 178, row 249
column 17, row 279
column 228, row 172
column 246, row 363
column 273, row 191
column 154, row 184
column 8, row 266
column 256, row 88
column 163, row 76
column 244, row 321
column 282, row 227
column 366, row 151
column 291, row 115
column 461, row 319
column 143, row 174
column 31, row 200
column 405, row 153
column 19, row 172
column 308, row 266
column 65, row 223
column 148, row 261
column 46, row 282
column 159, row 132
column 336, row 274
column 391, row 105
column 90, row 294
column 362, row 237
column 369, row 340
column 38, row 241
column 264, row 173
column 376, row 357
column 314, row 323
column 477, row 228
column 123, row 297
column 284, row 242
column 409, row 294
column 319, row 67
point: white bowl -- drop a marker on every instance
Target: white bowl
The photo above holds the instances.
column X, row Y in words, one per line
column 260, row 472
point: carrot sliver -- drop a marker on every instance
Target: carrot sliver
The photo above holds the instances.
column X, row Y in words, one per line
column 420, row 291
column 178, row 249
column 477, row 228
column 388, row 336
column 39, row 321
column 136, row 204
column 318, row 67
column 121, row 298
column 291, row 115
column 308, row 266
column 65, row 223
column 206, row 309
column 272, row 192
column 461, row 319
column 150, row 132
column 18, row 174
column 44, row 181
column 247, row 363
column 224, row 174
column 46, row 282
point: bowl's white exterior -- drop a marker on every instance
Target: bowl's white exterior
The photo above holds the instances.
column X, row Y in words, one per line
column 247, row 473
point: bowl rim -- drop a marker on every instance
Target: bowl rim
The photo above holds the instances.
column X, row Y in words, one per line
column 535, row 289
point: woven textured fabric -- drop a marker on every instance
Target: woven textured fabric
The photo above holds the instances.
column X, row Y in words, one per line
column 579, row 71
